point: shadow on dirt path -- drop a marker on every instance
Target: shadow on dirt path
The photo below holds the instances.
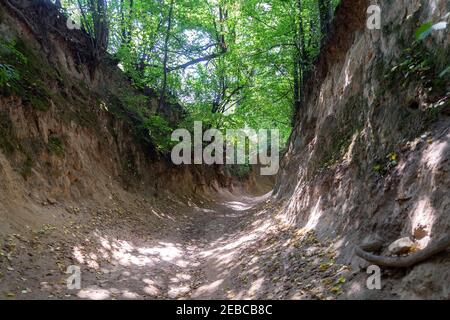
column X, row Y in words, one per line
column 175, row 257
column 226, row 246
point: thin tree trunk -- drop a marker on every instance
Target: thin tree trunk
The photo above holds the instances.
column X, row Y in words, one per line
column 130, row 21
column 103, row 28
column 122, row 20
column 296, row 83
column 126, row 23
column 300, row 58
column 100, row 30
column 326, row 14
column 166, row 57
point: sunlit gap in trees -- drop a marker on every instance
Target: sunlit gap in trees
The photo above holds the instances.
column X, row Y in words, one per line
column 230, row 64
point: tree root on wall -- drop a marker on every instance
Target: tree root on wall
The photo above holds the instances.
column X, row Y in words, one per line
column 408, row 261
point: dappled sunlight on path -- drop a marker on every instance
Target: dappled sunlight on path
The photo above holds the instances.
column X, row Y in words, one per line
column 180, row 266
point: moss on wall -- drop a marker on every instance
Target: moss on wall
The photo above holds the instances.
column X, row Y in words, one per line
column 421, row 66
column 348, row 122
column 56, row 146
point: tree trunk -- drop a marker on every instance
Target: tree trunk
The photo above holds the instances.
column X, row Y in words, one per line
column 102, row 23
column 130, row 22
column 326, row 14
column 126, row 24
column 300, row 58
column 166, row 57
column 100, row 31
column 122, row 19
column 296, row 84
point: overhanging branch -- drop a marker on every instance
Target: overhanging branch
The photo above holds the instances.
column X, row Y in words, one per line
column 196, row 61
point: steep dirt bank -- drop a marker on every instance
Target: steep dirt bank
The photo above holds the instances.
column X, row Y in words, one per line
column 369, row 155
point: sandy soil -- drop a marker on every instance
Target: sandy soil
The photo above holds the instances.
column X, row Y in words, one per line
column 228, row 247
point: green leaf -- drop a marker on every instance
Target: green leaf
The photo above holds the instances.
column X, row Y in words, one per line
column 424, row 31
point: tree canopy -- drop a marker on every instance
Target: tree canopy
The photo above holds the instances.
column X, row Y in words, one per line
column 230, row 63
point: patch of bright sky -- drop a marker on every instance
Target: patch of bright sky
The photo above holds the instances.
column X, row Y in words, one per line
column 200, row 39
column 266, row 7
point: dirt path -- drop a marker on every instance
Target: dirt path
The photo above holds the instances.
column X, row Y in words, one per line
column 133, row 259
column 229, row 248
column 190, row 262
column 213, row 238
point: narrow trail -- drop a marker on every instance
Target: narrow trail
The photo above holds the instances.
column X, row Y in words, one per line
column 214, row 236
column 189, row 264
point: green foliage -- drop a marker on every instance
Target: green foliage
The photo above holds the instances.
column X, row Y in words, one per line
column 137, row 103
column 8, row 73
column 22, row 74
column 39, row 99
column 383, row 166
column 229, row 63
column 8, row 48
column 56, row 146
column 427, row 29
column 160, row 132
column 419, row 64
column 240, row 171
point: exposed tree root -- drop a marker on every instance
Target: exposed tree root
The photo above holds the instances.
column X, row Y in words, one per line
column 408, row 261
